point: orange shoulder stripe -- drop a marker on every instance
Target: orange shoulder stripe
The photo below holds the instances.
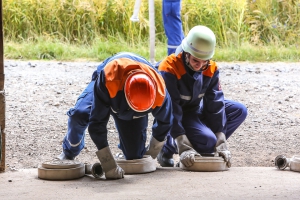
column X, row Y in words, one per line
column 211, row 69
column 171, row 65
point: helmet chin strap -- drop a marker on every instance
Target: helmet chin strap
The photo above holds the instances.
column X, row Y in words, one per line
column 187, row 62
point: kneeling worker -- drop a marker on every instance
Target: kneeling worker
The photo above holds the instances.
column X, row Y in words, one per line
column 203, row 118
column 127, row 87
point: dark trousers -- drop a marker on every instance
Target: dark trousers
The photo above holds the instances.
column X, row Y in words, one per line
column 132, row 133
column 201, row 136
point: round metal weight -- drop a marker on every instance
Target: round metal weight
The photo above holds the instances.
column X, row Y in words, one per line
column 61, row 170
column 61, row 164
column 137, row 166
column 206, row 164
column 295, row 163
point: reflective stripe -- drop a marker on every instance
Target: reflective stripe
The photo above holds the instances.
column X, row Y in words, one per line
column 189, row 97
column 185, row 97
column 74, row 145
column 136, row 117
column 199, row 51
column 201, row 95
column 172, row 46
column 113, row 110
column 125, row 56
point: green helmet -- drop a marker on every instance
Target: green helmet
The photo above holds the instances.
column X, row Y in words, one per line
column 200, row 42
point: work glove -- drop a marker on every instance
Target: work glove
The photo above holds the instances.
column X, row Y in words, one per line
column 109, row 165
column 221, row 148
column 186, row 152
column 154, row 147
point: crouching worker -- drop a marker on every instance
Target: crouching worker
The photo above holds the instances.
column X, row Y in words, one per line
column 127, row 87
column 203, row 119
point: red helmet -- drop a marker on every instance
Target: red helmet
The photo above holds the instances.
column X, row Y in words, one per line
column 140, row 91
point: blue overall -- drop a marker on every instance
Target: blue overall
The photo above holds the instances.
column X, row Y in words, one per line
column 199, row 107
column 95, row 105
column 171, row 11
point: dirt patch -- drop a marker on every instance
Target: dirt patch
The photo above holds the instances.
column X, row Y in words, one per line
column 38, row 95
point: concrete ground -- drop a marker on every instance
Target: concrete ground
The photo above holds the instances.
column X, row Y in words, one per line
column 164, row 183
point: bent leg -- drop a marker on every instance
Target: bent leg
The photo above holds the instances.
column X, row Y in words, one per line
column 78, row 121
column 133, row 136
column 236, row 114
column 170, row 146
column 165, row 156
column 172, row 23
column 200, row 136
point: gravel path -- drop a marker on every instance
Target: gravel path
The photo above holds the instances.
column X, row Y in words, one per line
column 38, row 95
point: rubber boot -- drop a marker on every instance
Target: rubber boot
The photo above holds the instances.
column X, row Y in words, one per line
column 165, row 160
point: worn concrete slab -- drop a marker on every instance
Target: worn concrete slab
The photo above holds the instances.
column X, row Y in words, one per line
column 164, row 183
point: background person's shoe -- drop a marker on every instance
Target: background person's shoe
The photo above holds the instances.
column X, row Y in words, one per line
column 165, row 160
column 119, row 156
column 63, row 156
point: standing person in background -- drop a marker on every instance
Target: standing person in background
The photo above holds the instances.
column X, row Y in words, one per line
column 171, row 10
column 127, row 87
column 203, row 119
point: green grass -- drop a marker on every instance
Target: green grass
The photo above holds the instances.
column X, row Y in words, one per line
column 260, row 30
column 251, row 53
column 56, row 50
column 43, row 49
column 234, row 22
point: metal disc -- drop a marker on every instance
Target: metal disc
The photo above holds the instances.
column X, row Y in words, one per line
column 206, row 164
column 61, row 164
column 137, row 166
column 61, row 174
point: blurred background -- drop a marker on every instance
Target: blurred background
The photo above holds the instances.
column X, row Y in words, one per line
column 246, row 30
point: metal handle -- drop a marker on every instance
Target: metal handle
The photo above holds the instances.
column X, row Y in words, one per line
column 95, row 169
column 282, row 162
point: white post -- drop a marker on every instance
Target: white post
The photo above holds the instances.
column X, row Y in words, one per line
column 152, row 30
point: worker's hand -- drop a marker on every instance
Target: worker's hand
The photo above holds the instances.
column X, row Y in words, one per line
column 187, row 158
column 221, row 148
column 111, row 169
column 115, row 173
column 186, row 152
